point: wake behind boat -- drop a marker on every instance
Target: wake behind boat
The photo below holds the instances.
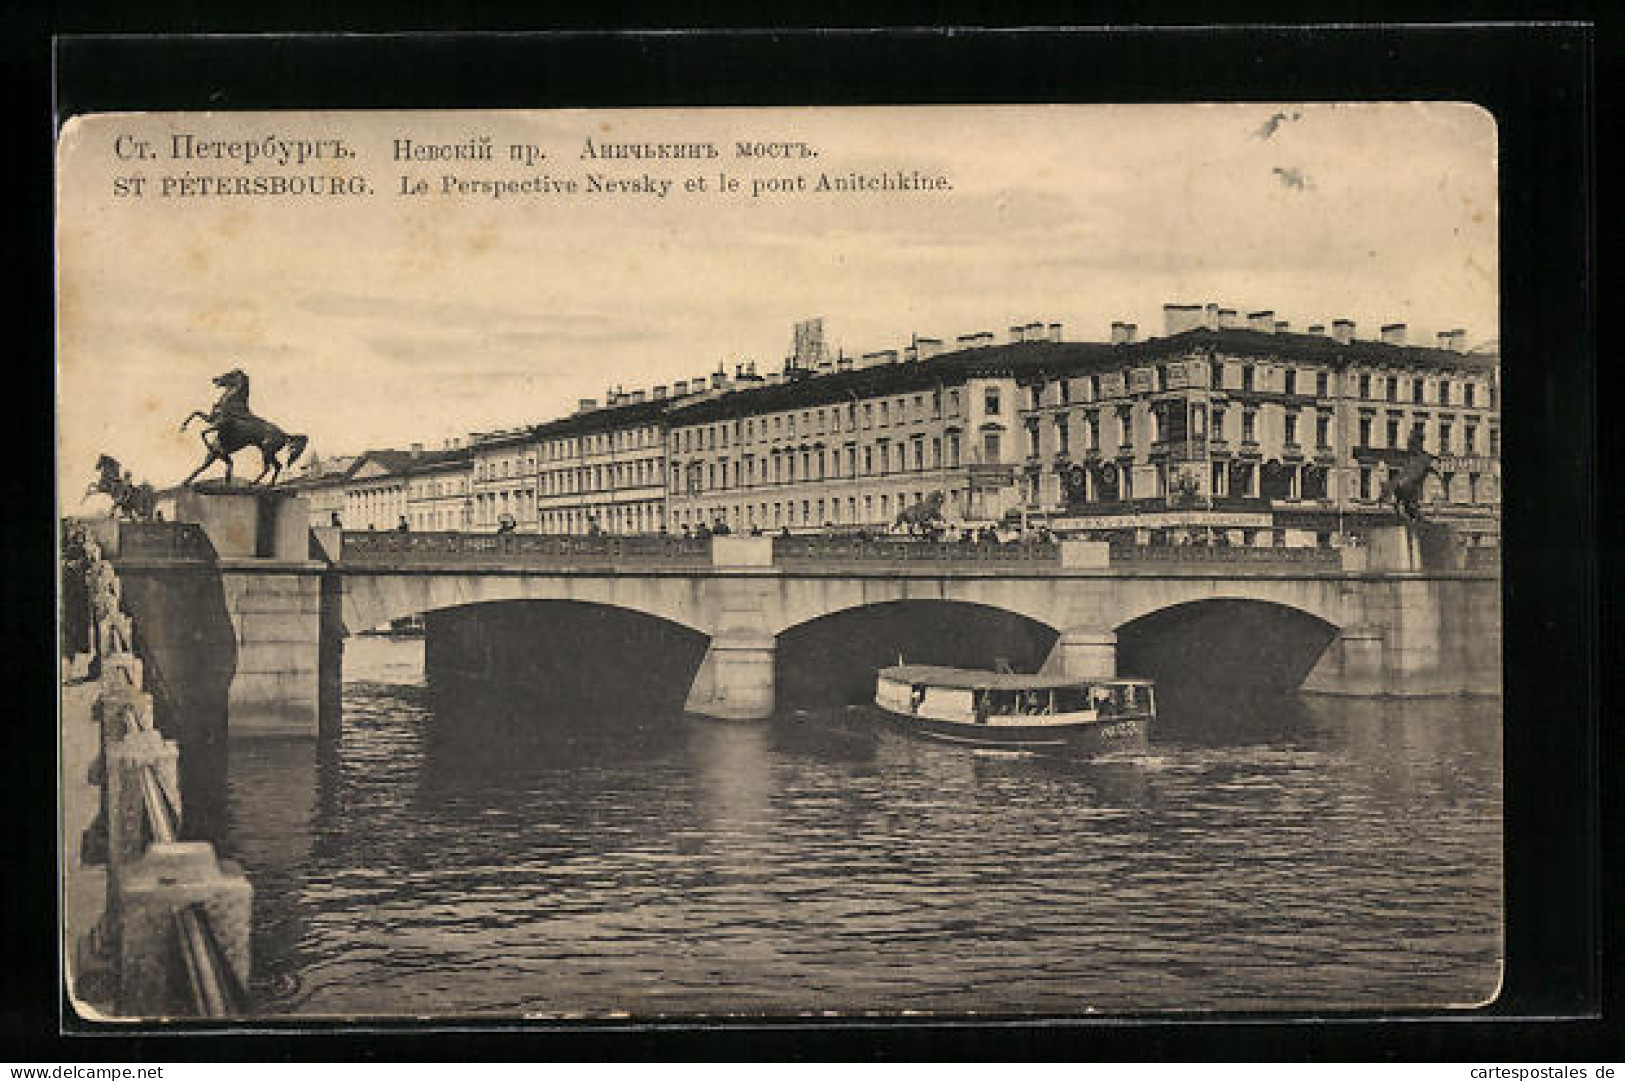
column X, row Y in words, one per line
column 1006, row 709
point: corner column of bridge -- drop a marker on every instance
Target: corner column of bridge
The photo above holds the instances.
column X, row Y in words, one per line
column 735, row 680
column 273, row 596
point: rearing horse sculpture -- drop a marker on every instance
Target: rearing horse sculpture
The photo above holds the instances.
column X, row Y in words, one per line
column 1405, row 489
column 230, row 427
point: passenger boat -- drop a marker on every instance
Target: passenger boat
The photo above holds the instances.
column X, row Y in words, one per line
column 1010, row 710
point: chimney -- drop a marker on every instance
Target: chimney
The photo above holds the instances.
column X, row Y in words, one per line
column 1453, row 340
column 1393, row 334
column 584, row 404
column 1343, row 331
column 1227, row 319
column 1210, row 317
column 1263, row 322
column 1178, row 318
column 659, row 393
column 985, row 339
column 739, row 371
column 637, row 396
column 843, row 363
column 968, row 341
column 926, row 348
column 1018, row 333
column 910, row 355
column 1055, row 332
column 1281, row 326
column 888, row 356
column 719, row 380
column 679, row 388
column 417, row 449
column 1318, row 329
column 1035, row 332
column 1131, row 333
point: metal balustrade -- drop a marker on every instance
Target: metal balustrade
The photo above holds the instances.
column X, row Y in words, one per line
column 368, row 548
column 1201, row 553
column 842, row 550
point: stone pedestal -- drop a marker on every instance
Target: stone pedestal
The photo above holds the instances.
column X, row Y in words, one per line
column 151, row 892
column 126, row 804
column 242, row 521
column 1085, row 653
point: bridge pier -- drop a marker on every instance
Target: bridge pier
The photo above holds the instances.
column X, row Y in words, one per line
column 1084, row 652
column 735, row 681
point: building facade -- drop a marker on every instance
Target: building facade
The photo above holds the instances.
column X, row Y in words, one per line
column 1241, row 427
column 603, row 468
column 851, row 449
column 503, row 479
column 439, row 491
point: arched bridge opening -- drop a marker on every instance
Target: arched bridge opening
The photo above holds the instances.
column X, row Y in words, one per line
column 831, row 660
column 1223, row 656
column 560, row 658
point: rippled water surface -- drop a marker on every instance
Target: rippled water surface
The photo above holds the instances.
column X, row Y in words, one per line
column 460, row 858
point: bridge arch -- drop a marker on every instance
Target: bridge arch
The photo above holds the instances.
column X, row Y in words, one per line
column 1319, row 599
column 370, row 600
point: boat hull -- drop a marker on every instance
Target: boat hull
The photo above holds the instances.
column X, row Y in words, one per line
column 1104, row 736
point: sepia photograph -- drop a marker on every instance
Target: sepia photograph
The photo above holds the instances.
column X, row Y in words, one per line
column 950, row 561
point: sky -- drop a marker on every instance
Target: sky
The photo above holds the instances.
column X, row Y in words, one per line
column 383, row 319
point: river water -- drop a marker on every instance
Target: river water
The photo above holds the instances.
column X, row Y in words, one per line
column 460, row 858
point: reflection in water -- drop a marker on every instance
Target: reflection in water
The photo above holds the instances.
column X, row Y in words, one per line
column 488, row 856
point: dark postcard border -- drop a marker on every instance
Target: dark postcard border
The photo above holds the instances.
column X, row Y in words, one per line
column 1536, row 81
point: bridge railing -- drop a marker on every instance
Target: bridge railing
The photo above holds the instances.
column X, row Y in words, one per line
column 1203, row 554
column 844, row 550
column 161, row 930
column 395, row 549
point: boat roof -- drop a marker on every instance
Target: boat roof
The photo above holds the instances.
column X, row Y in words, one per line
column 973, row 678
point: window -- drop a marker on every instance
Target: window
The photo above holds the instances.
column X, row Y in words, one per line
column 1062, row 443
column 1418, row 388
column 1444, row 392
column 1216, row 375
column 1094, row 388
column 1392, row 432
column 1091, row 430
column 1444, row 436
column 1393, row 388
column 992, row 451
column 990, row 403
column 1365, row 482
column 1495, row 442
column 1321, row 384
column 953, row 451
column 1419, row 431
column 1365, row 386
column 1249, row 426
column 1032, row 438
column 919, row 452
column 1246, row 377
column 1035, row 397
column 936, row 452
column 868, row 460
column 953, row 403
column 1291, row 377
column 1323, row 430
column 1125, row 424
column 1291, row 429
column 1162, row 377
column 1470, row 437
column 1066, row 392
column 1469, row 392
column 1218, row 423
column 885, row 414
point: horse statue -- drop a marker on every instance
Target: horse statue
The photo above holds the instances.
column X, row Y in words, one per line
column 923, row 519
column 1405, row 488
column 230, row 427
column 131, row 501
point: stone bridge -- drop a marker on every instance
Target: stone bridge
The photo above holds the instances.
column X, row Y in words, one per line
column 1397, row 624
